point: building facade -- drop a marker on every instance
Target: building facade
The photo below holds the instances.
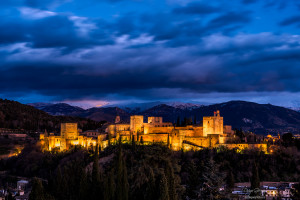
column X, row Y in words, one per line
column 69, row 136
column 211, row 134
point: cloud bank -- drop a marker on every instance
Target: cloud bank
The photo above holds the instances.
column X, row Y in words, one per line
column 66, row 50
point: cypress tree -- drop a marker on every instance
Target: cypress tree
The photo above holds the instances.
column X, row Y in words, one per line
column 163, row 187
column 212, row 180
column 57, row 181
column 61, row 185
column 178, row 121
column 122, row 186
column 133, row 143
column 230, row 180
column 10, row 197
column 171, row 181
column 110, row 186
column 184, row 121
column 142, row 140
column 109, row 139
column 96, row 178
column 125, row 185
column 255, row 182
column 193, row 180
column 37, row 192
column 137, row 136
column 83, row 189
column 96, row 171
column 168, row 141
column 151, row 189
column 119, row 186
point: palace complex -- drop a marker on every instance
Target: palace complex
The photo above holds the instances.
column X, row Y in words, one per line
column 212, row 133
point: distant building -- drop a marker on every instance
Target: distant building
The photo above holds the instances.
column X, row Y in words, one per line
column 269, row 190
column 22, row 185
column 69, row 136
column 91, row 133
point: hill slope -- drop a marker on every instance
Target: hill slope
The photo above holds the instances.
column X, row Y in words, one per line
column 255, row 117
column 19, row 116
column 58, row 108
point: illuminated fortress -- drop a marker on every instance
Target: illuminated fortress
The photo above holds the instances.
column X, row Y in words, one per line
column 211, row 134
column 155, row 130
column 69, row 136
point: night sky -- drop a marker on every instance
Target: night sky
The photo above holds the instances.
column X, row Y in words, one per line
column 96, row 51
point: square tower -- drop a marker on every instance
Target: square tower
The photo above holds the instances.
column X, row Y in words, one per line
column 213, row 125
column 136, row 123
column 69, row 131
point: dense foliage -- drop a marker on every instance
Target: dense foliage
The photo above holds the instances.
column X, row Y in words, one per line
column 15, row 115
column 133, row 171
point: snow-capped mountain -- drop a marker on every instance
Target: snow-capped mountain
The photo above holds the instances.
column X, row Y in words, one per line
column 139, row 107
column 184, row 106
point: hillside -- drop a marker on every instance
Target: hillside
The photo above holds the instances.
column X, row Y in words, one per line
column 15, row 115
column 58, row 108
column 255, row 117
column 105, row 114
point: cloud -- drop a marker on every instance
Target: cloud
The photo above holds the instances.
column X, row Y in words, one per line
column 33, row 13
column 180, row 50
column 290, row 21
column 196, row 8
column 243, row 63
column 44, row 4
column 231, row 18
column 12, row 31
column 249, row 1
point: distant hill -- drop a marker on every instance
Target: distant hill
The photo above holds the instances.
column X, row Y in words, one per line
column 15, row 115
column 105, row 114
column 140, row 107
column 58, row 108
column 259, row 118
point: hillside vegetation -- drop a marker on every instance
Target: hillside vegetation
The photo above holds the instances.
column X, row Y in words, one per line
column 137, row 172
column 15, row 115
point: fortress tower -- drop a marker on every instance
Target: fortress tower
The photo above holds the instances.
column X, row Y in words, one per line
column 136, row 124
column 69, row 131
column 213, row 125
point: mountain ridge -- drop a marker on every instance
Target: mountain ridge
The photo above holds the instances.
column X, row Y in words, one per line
column 250, row 116
column 14, row 115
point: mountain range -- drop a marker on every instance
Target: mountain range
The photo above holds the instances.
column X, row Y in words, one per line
column 14, row 115
column 249, row 116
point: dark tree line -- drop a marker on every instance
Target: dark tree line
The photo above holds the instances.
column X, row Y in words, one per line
column 133, row 171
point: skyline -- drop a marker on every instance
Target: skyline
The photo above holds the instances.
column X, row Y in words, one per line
column 143, row 51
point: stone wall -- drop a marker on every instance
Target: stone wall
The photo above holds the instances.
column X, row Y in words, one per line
column 199, row 141
column 152, row 130
column 262, row 147
column 155, row 137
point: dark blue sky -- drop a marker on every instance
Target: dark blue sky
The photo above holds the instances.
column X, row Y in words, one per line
column 94, row 51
